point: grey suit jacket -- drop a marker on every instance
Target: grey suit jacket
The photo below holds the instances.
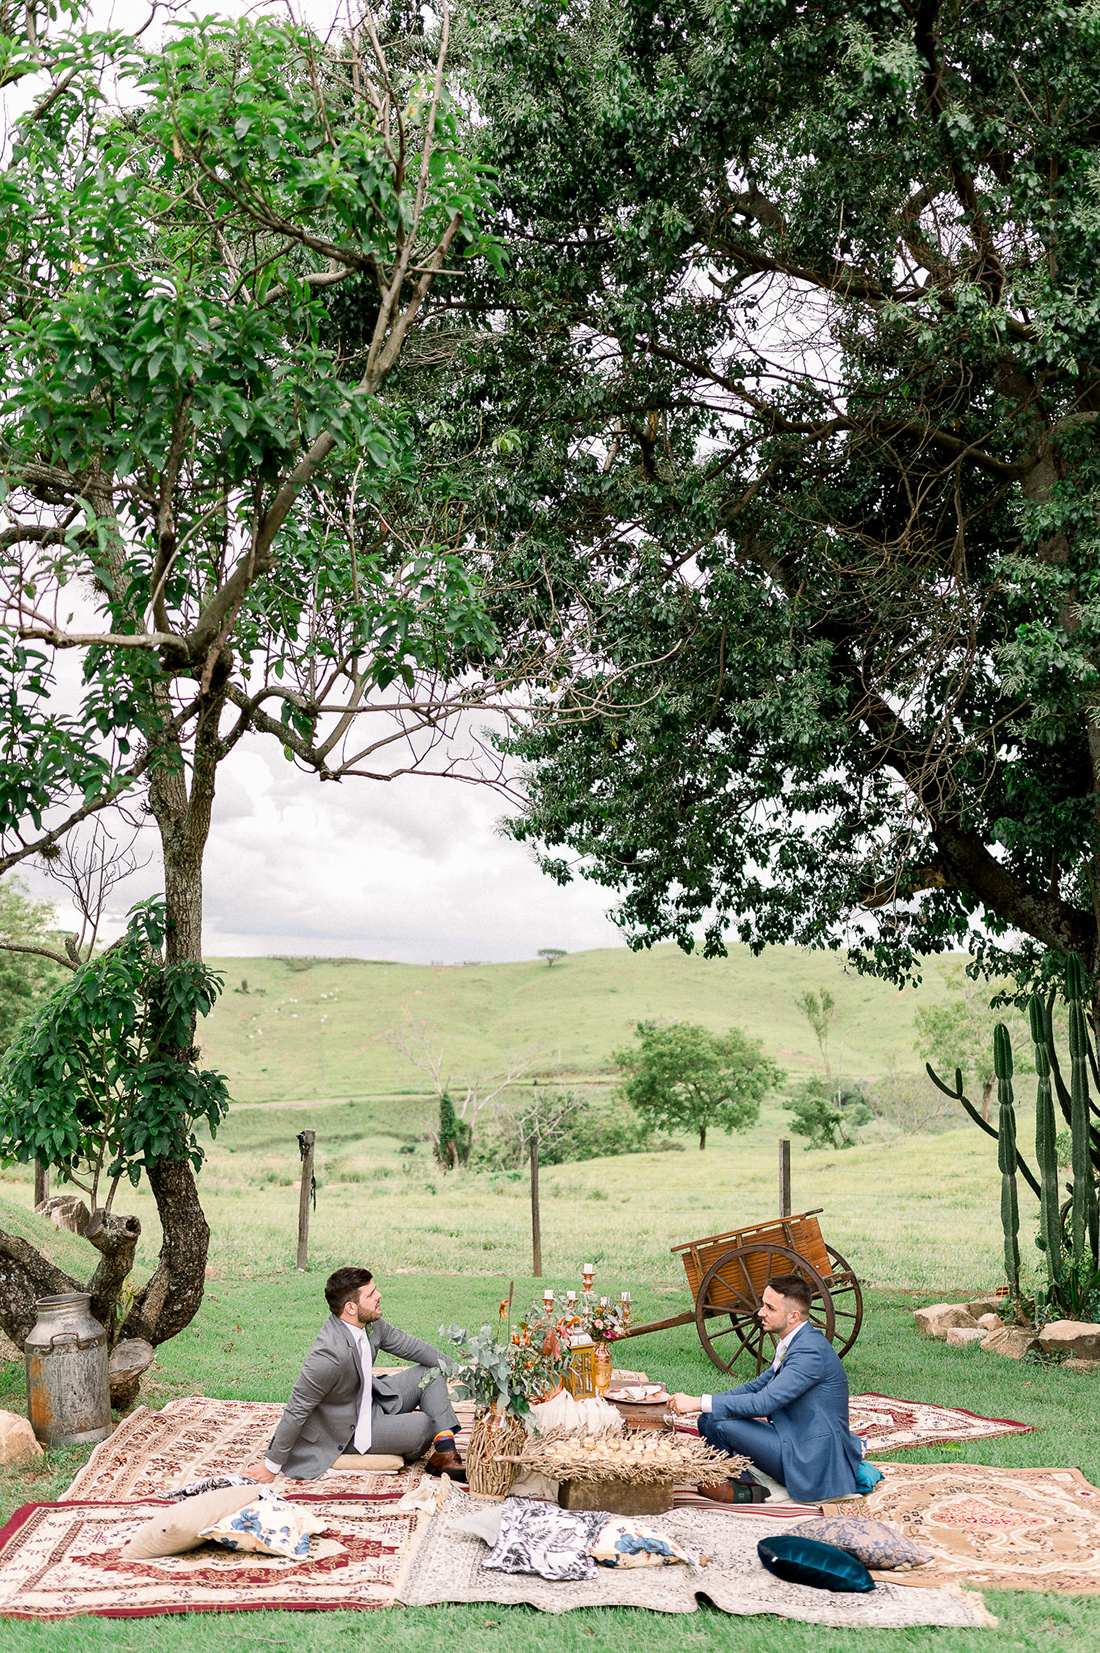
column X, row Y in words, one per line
column 320, row 1417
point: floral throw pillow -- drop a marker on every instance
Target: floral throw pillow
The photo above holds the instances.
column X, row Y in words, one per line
column 267, row 1526
column 540, row 1538
column 627, row 1544
column 872, row 1542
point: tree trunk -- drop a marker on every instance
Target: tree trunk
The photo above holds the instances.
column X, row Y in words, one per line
column 987, row 1091
column 25, row 1275
column 702, row 1137
column 171, row 1298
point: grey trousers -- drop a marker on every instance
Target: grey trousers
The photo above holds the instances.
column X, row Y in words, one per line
column 406, row 1418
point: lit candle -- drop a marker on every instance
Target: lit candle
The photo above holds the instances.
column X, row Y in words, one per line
column 625, row 1297
column 570, row 1299
column 548, row 1299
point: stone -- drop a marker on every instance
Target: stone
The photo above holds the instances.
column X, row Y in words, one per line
column 1080, row 1338
column 938, row 1318
column 17, row 1442
column 990, row 1321
column 990, row 1304
column 1013, row 1341
column 1081, row 1365
column 959, row 1337
column 128, row 1360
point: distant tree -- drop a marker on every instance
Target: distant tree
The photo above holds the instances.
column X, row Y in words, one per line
column 27, row 975
column 454, row 1138
column 825, row 1113
column 552, row 955
column 819, row 1009
column 683, row 1077
column 959, row 1033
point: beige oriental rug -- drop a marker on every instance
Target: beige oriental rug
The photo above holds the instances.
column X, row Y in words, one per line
column 58, row 1560
column 1001, row 1529
column 151, row 1453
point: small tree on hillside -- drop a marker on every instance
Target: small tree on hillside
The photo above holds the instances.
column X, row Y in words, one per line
column 683, row 1077
column 959, row 1033
column 454, row 1138
column 26, row 975
column 552, row 955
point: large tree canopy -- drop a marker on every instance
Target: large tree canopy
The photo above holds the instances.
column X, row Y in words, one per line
column 798, row 344
column 195, row 457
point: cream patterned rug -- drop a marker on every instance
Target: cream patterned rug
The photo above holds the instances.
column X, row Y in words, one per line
column 150, row 1453
column 447, row 1567
column 57, row 1560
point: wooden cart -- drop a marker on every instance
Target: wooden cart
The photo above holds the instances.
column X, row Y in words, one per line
column 727, row 1274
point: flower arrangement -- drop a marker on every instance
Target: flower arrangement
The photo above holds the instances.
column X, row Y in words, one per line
column 510, row 1369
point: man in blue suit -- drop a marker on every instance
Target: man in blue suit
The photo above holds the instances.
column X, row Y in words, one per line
column 792, row 1420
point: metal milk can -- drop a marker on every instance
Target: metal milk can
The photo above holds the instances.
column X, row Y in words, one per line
column 68, row 1389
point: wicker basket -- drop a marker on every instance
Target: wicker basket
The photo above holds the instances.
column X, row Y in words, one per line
column 492, row 1436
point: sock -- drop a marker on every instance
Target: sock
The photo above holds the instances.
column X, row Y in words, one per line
column 444, row 1441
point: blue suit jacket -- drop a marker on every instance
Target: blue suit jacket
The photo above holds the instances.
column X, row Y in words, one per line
column 807, row 1401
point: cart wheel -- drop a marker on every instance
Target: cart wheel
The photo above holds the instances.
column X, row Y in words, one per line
column 734, row 1285
column 844, row 1289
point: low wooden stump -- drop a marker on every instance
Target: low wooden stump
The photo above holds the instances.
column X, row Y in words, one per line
column 617, row 1496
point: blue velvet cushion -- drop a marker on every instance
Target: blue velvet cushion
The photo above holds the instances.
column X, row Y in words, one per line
column 805, row 1561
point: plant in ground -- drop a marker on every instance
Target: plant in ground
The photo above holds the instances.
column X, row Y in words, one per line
column 683, row 1077
column 101, row 1083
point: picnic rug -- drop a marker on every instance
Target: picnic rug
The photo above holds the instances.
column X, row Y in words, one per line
column 57, row 1560
column 446, row 1567
column 1002, row 1529
column 892, row 1425
column 152, row 1452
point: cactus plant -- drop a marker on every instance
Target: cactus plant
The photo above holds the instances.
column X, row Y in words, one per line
column 1083, row 1210
column 1006, row 1155
column 1046, row 1143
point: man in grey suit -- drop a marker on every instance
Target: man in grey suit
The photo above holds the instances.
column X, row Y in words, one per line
column 340, row 1404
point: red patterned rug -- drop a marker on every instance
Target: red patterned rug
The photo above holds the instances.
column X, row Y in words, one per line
column 892, row 1425
column 58, row 1560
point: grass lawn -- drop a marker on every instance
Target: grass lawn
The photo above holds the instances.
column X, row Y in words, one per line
column 248, row 1341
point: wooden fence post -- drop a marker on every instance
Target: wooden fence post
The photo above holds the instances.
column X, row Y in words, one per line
column 784, row 1177
column 306, row 1142
column 536, row 1230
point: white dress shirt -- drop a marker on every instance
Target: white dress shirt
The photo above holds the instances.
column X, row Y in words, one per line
column 362, row 1438
column 780, row 1353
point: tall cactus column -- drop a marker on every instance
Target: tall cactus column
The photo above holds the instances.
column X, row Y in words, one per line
column 1006, row 1156
column 1083, row 1215
column 1046, row 1143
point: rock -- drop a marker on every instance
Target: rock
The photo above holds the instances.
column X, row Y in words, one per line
column 990, row 1321
column 1081, row 1365
column 8, row 1351
column 938, row 1318
column 17, row 1442
column 958, row 1337
column 1080, row 1338
column 992, row 1304
column 1013, row 1341
column 124, row 1368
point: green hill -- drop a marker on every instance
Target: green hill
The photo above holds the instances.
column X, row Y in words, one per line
column 301, row 1029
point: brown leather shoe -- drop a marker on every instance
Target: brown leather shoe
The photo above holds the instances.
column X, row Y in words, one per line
column 446, row 1463
column 734, row 1492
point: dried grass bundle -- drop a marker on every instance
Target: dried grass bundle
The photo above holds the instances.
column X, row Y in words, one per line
column 642, row 1457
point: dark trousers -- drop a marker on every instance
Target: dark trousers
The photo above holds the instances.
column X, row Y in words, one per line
column 406, row 1418
column 756, row 1441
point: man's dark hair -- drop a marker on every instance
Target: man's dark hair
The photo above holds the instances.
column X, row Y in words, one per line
column 792, row 1286
column 344, row 1285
